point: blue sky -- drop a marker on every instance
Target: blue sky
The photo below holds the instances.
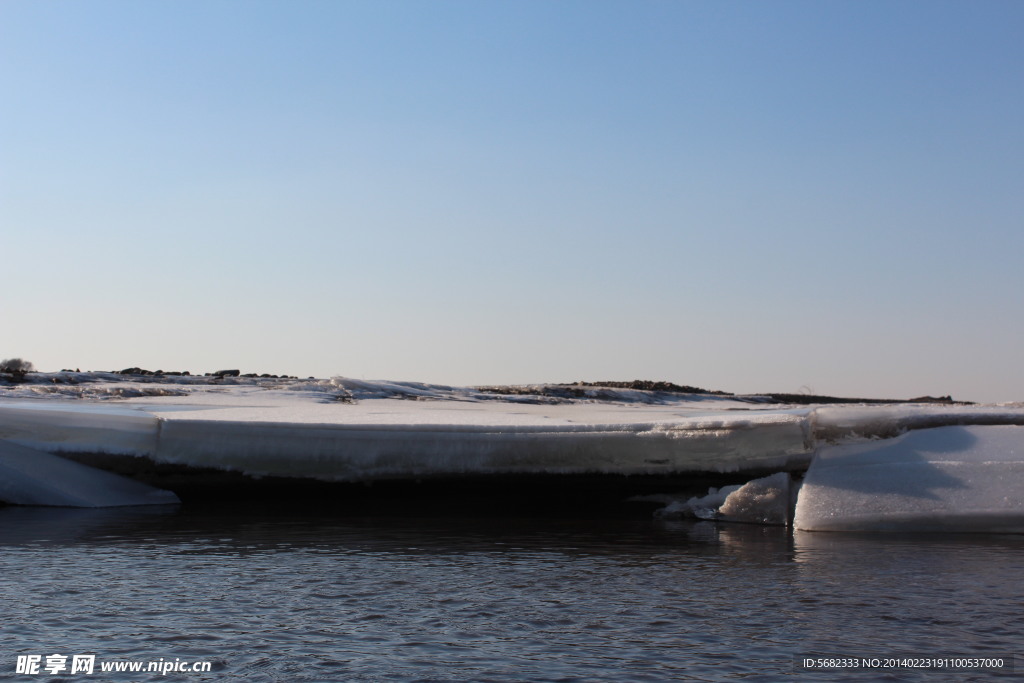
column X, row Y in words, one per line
column 747, row 196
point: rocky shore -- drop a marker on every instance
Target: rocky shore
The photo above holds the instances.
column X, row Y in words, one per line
column 577, row 390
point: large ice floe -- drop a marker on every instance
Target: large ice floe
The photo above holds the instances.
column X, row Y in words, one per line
column 957, row 478
column 891, row 466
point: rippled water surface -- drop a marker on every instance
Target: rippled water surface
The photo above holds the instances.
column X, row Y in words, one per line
column 331, row 599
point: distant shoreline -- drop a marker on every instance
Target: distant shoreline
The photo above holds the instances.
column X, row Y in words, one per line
column 561, row 390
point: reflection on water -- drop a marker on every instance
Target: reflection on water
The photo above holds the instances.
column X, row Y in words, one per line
column 319, row 598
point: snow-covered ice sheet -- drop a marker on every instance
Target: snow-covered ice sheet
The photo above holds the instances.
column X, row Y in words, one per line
column 285, row 433
column 78, row 426
column 958, row 478
column 356, row 430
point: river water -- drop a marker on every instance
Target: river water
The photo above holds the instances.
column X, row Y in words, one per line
column 301, row 598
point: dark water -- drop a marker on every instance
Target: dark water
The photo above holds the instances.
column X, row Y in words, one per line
column 338, row 599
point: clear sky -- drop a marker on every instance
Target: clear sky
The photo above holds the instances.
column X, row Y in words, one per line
column 747, row 196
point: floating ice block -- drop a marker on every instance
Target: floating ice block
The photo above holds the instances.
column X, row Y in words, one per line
column 31, row 477
column 968, row 478
column 762, row 501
